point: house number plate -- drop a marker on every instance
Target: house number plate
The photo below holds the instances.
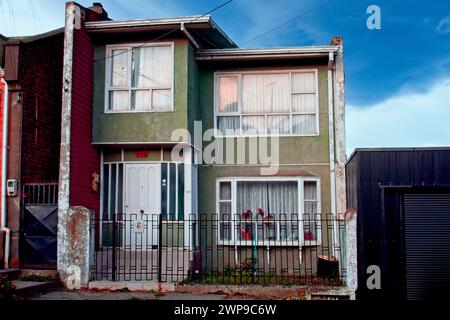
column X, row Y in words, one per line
column 138, row 225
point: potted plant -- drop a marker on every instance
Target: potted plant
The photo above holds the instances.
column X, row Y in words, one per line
column 246, row 235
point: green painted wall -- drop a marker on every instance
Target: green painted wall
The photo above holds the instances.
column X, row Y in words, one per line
column 299, row 156
column 193, row 89
column 194, row 100
column 141, row 126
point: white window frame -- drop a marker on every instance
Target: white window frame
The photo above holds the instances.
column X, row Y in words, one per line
column 239, row 113
column 300, row 183
column 108, row 88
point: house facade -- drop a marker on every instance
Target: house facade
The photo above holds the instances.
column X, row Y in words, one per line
column 166, row 120
column 182, row 155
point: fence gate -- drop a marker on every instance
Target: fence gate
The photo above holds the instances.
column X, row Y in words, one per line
column 125, row 250
column 39, row 221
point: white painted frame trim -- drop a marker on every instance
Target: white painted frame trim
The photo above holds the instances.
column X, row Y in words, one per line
column 238, row 74
column 300, row 193
column 122, row 161
column 128, row 47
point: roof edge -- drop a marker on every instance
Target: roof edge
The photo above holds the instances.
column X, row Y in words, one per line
column 31, row 38
column 327, row 48
column 214, row 25
column 385, row 149
column 111, row 24
column 391, row 149
column 218, row 54
column 155, row 22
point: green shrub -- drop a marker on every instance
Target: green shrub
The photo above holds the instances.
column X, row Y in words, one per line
column 7, row 288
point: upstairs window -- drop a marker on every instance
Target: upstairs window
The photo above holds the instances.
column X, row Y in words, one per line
column 284, row 103
column 139, row 78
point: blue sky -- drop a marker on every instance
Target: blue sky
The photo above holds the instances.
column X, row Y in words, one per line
column 397, row 78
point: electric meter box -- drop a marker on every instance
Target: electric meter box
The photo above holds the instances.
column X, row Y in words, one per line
column 11, row 187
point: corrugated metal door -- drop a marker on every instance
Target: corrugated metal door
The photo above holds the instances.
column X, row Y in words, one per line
column 427, row 245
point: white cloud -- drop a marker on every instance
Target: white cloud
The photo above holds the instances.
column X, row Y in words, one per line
column 443, row 26
column 407, row 120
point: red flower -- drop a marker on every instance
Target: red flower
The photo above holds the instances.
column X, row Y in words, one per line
column 247, row 214
column 260, row 212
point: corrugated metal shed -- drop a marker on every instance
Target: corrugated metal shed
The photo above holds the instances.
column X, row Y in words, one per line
column 377, row 180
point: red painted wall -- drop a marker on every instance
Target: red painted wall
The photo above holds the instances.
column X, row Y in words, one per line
column 84, row 158
column 2, row 99
column 40, row 75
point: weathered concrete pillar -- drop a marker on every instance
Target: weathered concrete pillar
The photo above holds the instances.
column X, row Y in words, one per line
column 74, row 261
column 351, row 261
column 339, row 125
column 348, row 258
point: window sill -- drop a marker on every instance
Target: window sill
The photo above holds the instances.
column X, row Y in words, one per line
column 311, row 243
column 287, row 135
column 138, row 112
column 270, row 243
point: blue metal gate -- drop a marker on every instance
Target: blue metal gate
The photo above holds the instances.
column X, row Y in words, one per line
column 39, row 225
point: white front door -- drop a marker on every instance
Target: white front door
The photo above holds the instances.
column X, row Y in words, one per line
column 142, row 205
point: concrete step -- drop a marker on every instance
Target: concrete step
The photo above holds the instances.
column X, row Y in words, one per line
column 11, row 274
column 29, row 288
column 30, row 273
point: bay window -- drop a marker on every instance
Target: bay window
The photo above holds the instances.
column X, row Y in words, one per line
column 279, row 102
column 139, row 78
column 283, row 211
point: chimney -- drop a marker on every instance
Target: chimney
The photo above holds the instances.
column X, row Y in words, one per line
column 336, row 41
column 98, row 8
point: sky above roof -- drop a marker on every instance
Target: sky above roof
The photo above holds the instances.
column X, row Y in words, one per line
column 397, row 77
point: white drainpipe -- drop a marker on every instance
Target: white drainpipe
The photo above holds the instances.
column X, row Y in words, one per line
column 331, row 133
column 331, row 129
column 4, row 173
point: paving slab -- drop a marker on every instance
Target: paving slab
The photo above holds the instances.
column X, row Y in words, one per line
column 108, row 295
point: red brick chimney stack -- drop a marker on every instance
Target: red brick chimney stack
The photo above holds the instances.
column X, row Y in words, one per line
column 98, row 8
column 337, row 41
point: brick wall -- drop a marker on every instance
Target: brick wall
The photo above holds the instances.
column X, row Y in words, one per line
column 40, row 74
column 84, row 158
